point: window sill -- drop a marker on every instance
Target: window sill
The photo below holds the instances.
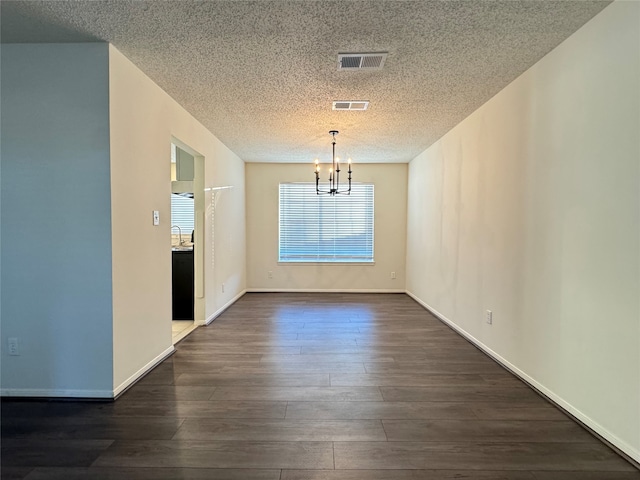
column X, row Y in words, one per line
column 342, row 264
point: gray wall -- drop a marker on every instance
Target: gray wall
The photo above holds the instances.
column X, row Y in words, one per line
column 55, row 220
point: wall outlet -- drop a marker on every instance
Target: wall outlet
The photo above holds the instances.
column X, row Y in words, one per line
column 13, row 346
column 156, row 217
column 489, row 317
column 393, row 275
column 223, row 288
column 270, row 274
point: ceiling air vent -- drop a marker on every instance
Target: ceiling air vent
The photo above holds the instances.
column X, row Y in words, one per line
column 361, row 61
column 350, row 105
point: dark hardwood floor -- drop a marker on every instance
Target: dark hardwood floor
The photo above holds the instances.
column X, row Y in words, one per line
column 312, row 387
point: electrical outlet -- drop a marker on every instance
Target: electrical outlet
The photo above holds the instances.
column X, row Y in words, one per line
column 156, row 217
column 13, row 346
column 489, row 317
column 393, row 275
column 270, row 274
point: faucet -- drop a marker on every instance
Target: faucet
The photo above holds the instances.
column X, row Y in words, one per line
column 179, row 233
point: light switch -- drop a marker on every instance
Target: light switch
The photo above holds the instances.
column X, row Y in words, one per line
column 156, row 217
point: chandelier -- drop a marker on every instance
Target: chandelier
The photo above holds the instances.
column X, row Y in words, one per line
column 334, row 173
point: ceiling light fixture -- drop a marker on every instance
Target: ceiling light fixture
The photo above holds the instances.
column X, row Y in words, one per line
column 334, row 172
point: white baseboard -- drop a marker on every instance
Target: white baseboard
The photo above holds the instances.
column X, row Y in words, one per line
column 94, row 394
column 324, row 290
column 609, row 437
column 56, row 393
column 219, row 312
column 140, row 373
column 184, row 333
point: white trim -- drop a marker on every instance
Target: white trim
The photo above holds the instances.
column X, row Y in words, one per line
column 143, row 371
column 325, row 290
column 341, row 263
column 185, row 332
column 219, row 312
column 609, row 437
column 53, row 393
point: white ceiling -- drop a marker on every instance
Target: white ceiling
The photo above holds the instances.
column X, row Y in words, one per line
column 262, row 75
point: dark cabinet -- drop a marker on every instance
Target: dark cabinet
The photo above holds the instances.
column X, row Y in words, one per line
column 182, row 285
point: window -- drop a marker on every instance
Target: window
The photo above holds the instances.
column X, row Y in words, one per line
column 182, row 214
column 323, row 228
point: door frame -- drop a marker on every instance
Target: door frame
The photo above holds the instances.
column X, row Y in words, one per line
column 199, row 227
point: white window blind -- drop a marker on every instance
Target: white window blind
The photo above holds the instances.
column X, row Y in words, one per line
column 182, row 214
column 323, row 228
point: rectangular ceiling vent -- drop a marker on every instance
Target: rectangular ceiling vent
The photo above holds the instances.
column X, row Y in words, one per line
column 361, row 61
column 351, row 105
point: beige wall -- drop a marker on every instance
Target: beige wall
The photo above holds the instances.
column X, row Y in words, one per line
column 143, row 121
column 262, row 182
column 530, row 208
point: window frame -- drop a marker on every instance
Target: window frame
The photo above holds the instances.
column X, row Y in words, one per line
column 367, row 202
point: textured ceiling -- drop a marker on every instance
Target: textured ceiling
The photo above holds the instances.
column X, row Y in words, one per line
column 262, row 75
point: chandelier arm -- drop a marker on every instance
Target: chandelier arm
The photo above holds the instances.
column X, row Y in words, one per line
column 322, row 192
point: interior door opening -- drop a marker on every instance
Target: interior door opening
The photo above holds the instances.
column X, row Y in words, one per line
column 186, row 173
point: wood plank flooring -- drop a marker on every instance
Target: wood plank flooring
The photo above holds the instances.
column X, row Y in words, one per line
column 312, row 387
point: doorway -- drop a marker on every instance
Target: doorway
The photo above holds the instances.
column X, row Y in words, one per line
column 187, row 201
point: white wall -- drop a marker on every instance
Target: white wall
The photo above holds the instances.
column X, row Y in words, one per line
column 143, row 120
column 55, row 219
column 262, row 181
column 530, row 208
